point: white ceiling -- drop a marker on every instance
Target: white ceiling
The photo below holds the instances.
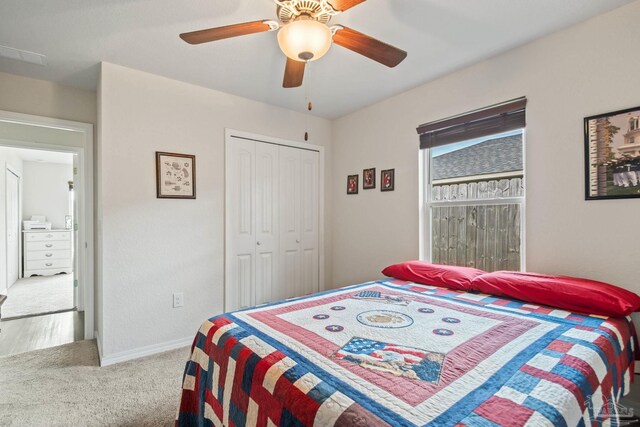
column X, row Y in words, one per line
column 41, row 156
column 439, row 35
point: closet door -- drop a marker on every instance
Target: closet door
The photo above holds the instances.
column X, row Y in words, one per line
column 290, row 232
column 267, row 222
column 240, row 233
column 309, row 228
column 272, row 223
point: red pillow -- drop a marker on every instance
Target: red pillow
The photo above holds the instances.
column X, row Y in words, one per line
column 568, row 293
column 445, row 276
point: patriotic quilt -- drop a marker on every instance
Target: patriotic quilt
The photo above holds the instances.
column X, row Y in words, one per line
column 394, row 353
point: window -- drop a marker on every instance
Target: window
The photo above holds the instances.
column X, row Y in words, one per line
column 474, row 193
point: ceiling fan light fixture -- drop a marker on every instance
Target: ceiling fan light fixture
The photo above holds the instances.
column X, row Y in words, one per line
column 305, row 39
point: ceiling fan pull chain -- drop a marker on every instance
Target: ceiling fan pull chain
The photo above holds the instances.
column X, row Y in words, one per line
column 307, row 89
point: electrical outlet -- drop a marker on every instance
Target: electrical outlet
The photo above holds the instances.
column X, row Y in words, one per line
column 178, row 299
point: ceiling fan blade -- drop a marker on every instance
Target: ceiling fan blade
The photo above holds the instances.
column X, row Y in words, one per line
column 219, row 33
column 293, row 73
column 369, row 47
column 343, row 5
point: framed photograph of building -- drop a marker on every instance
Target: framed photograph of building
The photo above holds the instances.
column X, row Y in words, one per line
column 369, row 179
column 175, row 176
column 612, row 155
column 352, row 184
column 387, row 180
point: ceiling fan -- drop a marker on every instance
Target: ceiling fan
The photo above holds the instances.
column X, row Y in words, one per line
column 304, row 35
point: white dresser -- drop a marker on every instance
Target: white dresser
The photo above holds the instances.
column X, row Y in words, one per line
column 47, row 252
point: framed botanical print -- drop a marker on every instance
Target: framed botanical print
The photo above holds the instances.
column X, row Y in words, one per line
column 369, row 178
column 352, row 184
column 387, row 180
column 175, row 176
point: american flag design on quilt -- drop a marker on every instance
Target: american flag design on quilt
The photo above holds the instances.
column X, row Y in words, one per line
column 398, row 360
column 393, row 353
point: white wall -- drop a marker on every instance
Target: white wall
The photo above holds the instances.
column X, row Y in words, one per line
column 588, row 69
column 153, row 247
column 7, row 158
column 46, row 191
column 41, row 98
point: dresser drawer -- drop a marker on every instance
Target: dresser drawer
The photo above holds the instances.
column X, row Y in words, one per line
column 48, row 246
column 48, row 263
column 47, row 236
column 38, row 255
column 47, row 272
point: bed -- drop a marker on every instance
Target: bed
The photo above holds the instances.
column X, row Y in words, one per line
column 398, row 353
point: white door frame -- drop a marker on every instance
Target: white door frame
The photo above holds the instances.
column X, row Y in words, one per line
column 84, row 192
column 230, row 133
column 13, row 170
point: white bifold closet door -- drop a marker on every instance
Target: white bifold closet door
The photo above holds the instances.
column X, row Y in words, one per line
column 298, row 222
column 272, row 223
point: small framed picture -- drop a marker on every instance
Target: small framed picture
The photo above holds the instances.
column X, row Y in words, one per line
column 352, row 184
column 175, row 175
column 369, row 179
column 387, row 180
column 612, row 155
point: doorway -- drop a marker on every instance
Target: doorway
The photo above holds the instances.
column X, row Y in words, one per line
column 40, row 254
column 62, row 243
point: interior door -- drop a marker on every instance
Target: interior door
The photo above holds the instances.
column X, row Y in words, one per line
column 290, row 256
column 272, row 199
column 240, row 236
column 267, row 222
column 309, row 217
column 13, row 227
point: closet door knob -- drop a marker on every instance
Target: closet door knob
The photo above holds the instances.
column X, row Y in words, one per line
column 258, row 243
column 297, row 240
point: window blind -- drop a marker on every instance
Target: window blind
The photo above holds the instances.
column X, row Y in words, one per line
column 498, row 118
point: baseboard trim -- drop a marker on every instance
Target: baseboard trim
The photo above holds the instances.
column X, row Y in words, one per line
column 136, row 353
column 97, row 338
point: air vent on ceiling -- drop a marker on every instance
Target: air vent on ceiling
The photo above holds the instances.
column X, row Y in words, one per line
column 22, row 55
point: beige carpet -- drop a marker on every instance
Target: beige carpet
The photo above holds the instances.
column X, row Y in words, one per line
column 64, row 386
column 42, row 294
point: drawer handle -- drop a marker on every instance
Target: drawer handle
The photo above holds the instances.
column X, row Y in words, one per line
column 49, row 264
column 48, row 255
column 48, row 245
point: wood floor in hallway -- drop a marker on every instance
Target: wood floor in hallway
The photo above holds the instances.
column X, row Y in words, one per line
column 37, row 332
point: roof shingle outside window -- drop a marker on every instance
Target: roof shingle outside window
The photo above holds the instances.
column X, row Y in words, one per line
column 493, row 156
